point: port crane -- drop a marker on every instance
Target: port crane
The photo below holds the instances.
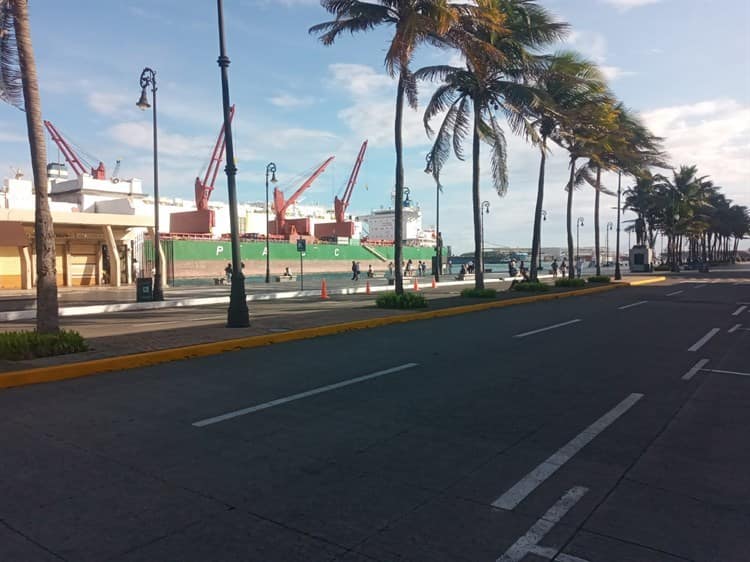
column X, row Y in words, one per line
column 75, row 161
column 280, row 205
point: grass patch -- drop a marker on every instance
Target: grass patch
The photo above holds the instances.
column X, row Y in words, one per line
column 407, row 300
column 566, row 282
column 599, row 279
column 28, row 345
column 479, row 293
column 531, row 287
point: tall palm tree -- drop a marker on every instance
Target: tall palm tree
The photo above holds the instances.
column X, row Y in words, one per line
column 19, row 86
column 492, row 80
column 563, row 81
column 414, row 22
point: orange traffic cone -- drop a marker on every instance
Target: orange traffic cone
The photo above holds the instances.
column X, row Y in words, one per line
column 416, row 284
column 367, row 288
column 434, row 283
column 323, row 290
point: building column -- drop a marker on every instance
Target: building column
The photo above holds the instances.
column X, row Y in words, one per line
column 99, row 267
column 26, row 267
column 128, row 265
column 67, row 265
column 114, row 257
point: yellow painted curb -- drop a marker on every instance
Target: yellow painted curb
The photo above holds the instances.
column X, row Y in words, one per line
column 646, row 281
column 96, row 366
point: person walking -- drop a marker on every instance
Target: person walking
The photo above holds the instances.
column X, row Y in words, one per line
column 354, row 270
column 228, row 272
column 357, row 271
column 554, row 267
column 564, row 268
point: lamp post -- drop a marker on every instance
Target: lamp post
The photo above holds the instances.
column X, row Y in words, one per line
column 544, row 218
column 438, row 237
column 579, row 224
column 238, row 315
column 148, row 78
column 270, row 169
column 609, row 227
column 618, row 274
column 485, row 209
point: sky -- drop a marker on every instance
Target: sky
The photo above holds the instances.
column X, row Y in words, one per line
column 683, row 65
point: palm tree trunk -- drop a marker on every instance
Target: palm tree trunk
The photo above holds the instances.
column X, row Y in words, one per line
column 597, row 197
column 478, row 257
column 536, row 239
column 569, row 218
column 398, row 228
column 47, row 319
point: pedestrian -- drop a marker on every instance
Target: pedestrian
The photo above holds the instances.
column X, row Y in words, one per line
column 370, row 272
column 579, row 266
column 357, row 272
column 408, row 267
column 354, row 270
column 450, row 266
column 564, row 268
column 554, row 268
column 228, row 272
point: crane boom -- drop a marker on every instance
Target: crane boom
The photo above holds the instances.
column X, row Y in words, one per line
column 281, row 206
column 70, row 156
column 204, row 188
column 340, row 205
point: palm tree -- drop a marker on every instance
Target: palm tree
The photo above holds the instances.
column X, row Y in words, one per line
column 492, row 80
column 563, row 81
column 415, row 22
column 19, row 86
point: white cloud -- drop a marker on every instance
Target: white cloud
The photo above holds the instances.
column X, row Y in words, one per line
column 138, row 134
column 594, row 46
column 108, row 103
column 628, row 4
column 289, row 101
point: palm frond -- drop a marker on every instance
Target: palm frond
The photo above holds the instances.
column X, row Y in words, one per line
column 443, row 98
column 461, row 127
column 493, row 135
column 11, row 85
column 410, row 88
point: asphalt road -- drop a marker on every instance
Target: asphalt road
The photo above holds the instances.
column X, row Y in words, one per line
column 603, row 428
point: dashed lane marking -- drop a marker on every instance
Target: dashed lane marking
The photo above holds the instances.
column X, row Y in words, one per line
column 694, row 369
column 515, row 495
column 740, row 310
column 674, row 293
column 299, row 396
column 547, row 328
column 734, row 328
column 726, row 372
column 701, row 342
column 529, row 542
column 631, row 305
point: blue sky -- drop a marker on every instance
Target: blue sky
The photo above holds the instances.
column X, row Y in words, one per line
column 683, row 64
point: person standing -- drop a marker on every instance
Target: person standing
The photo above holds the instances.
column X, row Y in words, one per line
column 354, row 270
column 554, row 268
column 564, row 268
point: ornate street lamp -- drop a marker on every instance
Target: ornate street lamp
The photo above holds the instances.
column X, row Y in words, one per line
column 579, row 224
column 618, row 274
column 485, row 209
column 238, row 315
column 544, row 218
column 270, row 169
column 609, row 227
column 148, row 78
column 438, row 236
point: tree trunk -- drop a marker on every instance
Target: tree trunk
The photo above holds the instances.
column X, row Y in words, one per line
column 398, row 227
column 597, row 198
column 537, row 236
column 478, row 234
column 47, row 319
column 569, row 217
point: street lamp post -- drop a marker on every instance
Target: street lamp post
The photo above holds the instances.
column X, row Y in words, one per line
column 438, row 237
column 270, row 169
column 485, row 208
column 609, row 227
column 148, row 78
column 238, row 315
column 544, row 218
column 579, row 224
column 618, row 274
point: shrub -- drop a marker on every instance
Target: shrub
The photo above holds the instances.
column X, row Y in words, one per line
column 566, row 282
column 599, row 279
column 479, row 293
column 663, row 267
column 531, row 287
column 27, row 345
column 407, row 300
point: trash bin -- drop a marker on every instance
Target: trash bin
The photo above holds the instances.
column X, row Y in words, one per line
column 144, row 289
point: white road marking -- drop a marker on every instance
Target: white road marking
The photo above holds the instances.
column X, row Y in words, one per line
column 547, row 328
column 529, row 483
column 734, row 328
column 699, row 286
column 299, row 396
column 701, row 342
column 740, row 310
column 544, row 525
column 727, row 372
column 550, row 553
column 695, row 368
column 674, row 293
column 631, row 305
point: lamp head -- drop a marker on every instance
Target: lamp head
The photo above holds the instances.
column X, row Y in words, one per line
column 142, row 103
column 273, row 177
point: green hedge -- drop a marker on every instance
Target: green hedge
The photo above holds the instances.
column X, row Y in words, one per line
column 27, row 345
column 599, row 279
column 407, row 300
column 479, row 293
column 566, row 282
column 531, row 287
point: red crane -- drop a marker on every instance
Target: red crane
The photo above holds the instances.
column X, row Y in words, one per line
column 280, row 205
column 340, row 205
column 72, row 158
column 204, row 188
